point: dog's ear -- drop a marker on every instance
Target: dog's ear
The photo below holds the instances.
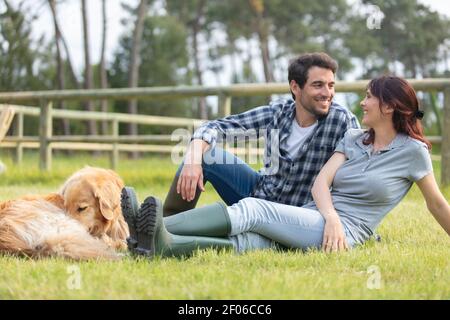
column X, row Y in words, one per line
column 106, row 196
column 119, row 229
column 116, row 179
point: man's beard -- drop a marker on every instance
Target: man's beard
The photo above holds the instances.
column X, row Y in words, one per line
column 311, row 109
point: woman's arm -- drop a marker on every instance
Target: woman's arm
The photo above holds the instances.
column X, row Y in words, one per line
column 436, row 202
column 333, row 235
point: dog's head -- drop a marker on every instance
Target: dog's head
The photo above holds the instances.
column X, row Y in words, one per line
column 92, row 196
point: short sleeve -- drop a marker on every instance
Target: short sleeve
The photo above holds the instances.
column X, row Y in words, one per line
column 346, row 144
column 340, row 146
column 421, row 164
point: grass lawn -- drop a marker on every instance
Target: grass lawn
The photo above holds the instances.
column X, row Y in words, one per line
column 411, row 262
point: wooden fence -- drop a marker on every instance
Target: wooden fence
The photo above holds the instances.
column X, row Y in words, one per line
column 114, row 143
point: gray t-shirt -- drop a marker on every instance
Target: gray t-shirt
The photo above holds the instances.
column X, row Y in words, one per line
column 367, row 186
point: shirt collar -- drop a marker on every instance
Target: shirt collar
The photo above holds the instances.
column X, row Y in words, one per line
column 399, row 140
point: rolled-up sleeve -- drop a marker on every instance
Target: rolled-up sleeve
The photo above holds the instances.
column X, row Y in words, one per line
column 254, row 119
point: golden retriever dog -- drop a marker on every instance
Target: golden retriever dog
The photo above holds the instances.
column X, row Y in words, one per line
column 92, row 196
column 82, row 221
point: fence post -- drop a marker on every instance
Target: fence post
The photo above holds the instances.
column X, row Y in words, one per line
column 445, row 148
column 18, row 131
column 115, row 148
column 45, row 133
column 224, row 105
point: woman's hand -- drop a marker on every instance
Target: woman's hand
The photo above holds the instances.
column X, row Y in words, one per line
column 333, row 236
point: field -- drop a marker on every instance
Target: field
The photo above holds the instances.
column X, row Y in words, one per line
column 411, row 262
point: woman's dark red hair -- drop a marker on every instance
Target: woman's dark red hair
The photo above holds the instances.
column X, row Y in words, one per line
column 398, row 94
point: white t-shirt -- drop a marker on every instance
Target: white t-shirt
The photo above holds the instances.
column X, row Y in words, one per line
column 297, row 137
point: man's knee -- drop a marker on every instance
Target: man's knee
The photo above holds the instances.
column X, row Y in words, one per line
column 218, row 156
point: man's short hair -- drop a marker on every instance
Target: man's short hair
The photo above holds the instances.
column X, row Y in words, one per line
column 299, row 67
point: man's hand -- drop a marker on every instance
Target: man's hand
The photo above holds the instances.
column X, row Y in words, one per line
column 333, row 236
column 191, row 175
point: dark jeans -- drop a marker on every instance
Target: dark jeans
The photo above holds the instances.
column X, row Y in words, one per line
column 231, row 177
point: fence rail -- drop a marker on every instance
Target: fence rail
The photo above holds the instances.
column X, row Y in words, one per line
column 182, row 92
column 116, row 143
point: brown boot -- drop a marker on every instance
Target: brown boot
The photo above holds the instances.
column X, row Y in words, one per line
column 174, row 203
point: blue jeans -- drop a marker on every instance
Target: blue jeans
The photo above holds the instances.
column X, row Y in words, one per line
column 231, row 177
column 261, row 224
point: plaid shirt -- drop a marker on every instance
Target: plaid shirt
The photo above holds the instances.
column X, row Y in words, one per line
column 284, row 180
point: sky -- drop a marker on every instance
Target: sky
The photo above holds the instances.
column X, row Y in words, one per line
column 70, row 21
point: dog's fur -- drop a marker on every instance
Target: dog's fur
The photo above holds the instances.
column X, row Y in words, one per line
column 82, row 221
column 92, row 196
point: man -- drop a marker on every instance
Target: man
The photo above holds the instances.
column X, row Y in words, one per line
column 303, row 131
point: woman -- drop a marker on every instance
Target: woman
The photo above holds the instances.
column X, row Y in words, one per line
column 369, row 174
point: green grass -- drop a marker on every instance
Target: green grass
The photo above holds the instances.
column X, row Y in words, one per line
column 413, row 258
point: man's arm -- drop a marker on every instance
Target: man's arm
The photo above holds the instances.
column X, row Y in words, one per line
column 254, row 119
column 191, row 175
column 205, row 137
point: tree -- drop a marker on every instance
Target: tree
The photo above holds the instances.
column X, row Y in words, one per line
column 411, row 36
column 410, row 42
column 88, row 75
column 243, row 21
column 164, row 62
column 135, row 60
column 317, row 26
column 262, row 26
column 193, row 14
column 60, row 63
column 22, row 57
column 65, row 64
column 103, row 74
